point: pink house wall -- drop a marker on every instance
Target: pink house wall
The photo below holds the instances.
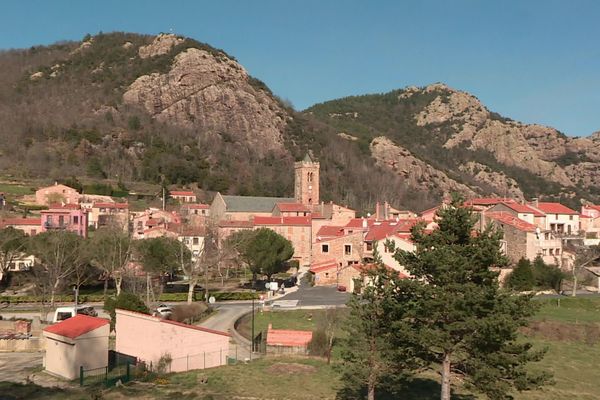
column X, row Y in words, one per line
column 74, row 220
column 149, row 338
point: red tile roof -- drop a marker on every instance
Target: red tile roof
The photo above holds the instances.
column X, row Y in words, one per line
column 323, row 266
column 76, row 326
column 20, row 221
column 358, row 222
column 522, row 208
column 508, row 219
column 182, row 193
column 302, row 221
column 287, row 337
column 292, row 207
column 330, row 231
column 555, row 208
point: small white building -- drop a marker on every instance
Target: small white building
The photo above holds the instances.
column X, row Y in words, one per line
column 80, row 341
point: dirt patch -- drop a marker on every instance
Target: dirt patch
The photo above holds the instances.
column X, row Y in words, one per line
column 587, row 333
column 291, row 368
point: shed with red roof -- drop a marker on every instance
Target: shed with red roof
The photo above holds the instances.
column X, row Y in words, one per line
column 80, row 341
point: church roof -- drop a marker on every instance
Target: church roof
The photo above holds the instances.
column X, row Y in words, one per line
column 254, row 203
column 307, row 158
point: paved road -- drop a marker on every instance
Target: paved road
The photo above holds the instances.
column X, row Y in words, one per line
column 318, row 296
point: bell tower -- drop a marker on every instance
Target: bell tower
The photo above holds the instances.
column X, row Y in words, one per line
column 306, row 189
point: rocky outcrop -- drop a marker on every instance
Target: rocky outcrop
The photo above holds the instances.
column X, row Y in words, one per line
column 162, row 44
column 417, row 174
column 211, row 95
column 501, row 184
column 532, row 147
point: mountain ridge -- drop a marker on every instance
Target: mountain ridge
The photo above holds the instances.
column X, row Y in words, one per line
column 170, row 109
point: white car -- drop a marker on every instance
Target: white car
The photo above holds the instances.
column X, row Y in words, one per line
column 63, row 313
column 163, row 311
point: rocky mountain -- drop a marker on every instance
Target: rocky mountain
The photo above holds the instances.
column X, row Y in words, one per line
column 170, row 109
column 470, row 148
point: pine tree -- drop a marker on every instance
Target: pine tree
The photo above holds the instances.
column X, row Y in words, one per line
column 380, row 347
column 521, row 278
column 466, row 324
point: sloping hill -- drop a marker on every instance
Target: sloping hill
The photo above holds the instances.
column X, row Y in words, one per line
column 170, row 109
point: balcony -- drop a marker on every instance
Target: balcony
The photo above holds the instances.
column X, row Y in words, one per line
column 55, row 225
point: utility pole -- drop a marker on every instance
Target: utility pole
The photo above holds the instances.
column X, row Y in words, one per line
column 164, row 200
column 252, row 339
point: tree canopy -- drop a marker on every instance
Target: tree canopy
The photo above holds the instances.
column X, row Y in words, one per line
column 466, row 324
column 264, row 250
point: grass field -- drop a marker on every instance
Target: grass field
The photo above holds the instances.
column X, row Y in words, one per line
column 15, row 189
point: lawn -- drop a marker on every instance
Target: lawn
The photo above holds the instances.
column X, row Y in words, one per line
column 15, row 189
column 570, row 309
column 293, row 319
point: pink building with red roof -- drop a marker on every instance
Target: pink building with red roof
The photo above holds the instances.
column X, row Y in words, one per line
column 287, row 340
column 80, row 341
column 148, row 338
column 31, row 226
column 65, row 217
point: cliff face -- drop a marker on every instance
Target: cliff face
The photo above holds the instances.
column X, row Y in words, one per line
column 209, row 93
column 415, row 172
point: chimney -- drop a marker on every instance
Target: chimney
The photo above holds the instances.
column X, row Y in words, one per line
column 364, row 223
column 536, row 202
column 377, row 211
column 386, row 210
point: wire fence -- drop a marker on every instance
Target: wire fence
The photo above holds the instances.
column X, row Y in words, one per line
column 124, row 368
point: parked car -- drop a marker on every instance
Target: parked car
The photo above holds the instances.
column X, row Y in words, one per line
column 341, row 288
column 163, row 311
column 63, row 313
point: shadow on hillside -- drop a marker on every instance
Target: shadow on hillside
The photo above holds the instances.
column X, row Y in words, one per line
column 415, row 389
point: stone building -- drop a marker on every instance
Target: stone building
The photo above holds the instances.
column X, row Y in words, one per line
column 306, row 188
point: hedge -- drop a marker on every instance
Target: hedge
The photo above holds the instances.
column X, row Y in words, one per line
column 98, row 298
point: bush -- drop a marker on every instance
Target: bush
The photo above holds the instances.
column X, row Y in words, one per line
column 547, row 276
column 318, row 345
column 219, row 296
column 522, row 277
column 124, row 301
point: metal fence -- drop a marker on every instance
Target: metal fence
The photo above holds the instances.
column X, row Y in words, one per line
column 105, row 375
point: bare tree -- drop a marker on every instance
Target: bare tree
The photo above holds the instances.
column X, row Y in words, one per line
column 12, row 244
column 110, row 249
column 584, row 257
column 60, row 253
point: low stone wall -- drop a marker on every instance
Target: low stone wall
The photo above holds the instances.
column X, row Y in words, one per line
column 22, row 345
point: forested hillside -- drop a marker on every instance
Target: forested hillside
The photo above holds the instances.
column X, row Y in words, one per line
column 172, row 110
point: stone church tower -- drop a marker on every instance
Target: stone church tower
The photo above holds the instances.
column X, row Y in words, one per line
column 306, row 190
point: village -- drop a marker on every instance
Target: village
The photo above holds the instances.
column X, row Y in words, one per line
column 333, row 248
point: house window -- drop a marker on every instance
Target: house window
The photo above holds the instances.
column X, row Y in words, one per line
column 571, row 217
column 326, row 274
column 557, row 252
column 196, row 240
column 555, row 216
column 347, row 249
column 324, row 248
column 551, row 252
column 369, row 246
column 543, row 252
column 75, row 219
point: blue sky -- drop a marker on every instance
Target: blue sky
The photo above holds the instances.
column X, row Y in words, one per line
column 533, row 61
